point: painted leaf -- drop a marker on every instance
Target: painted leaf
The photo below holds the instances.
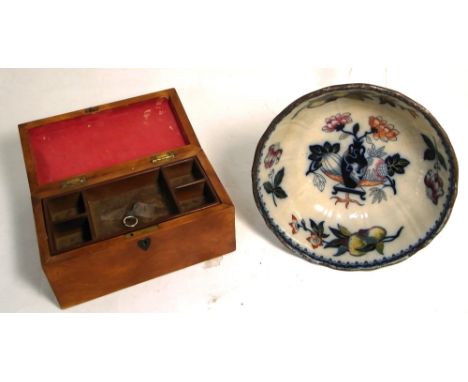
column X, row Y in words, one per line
column 320, row 227
column 429, row 142
column 279, row 193
column 313, row 225
column 403, row 162
column 316, row 149
column 373, row 152
column 319, row 182
column 344, row 230
column 386, row 101
column 337, row 233
column 341, row 250
column 342, row 136
column 441, row 160
column 335, row 148
column 356, row 128
column 380, row 247
column 400, row 165
column 335, row 243
column 396, row 164
column 268, row 187
column 380, row 153
column 279, row 177
column 429, row 154
column 377, row 195
column 314, row 165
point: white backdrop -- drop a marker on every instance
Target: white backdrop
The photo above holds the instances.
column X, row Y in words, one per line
column 229, row 110
column 407, row 320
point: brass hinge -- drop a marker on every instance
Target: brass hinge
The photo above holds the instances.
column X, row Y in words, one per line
column 158, row 158
column 74, row 182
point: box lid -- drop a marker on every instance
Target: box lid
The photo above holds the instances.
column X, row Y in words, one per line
column 67, row 147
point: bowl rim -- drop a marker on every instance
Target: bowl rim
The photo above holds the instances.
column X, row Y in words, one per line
column 403, row 254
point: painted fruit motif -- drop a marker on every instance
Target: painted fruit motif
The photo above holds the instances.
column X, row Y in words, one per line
column 366, row 240
column 331, row 163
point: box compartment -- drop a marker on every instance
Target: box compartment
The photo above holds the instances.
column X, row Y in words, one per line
column 194, row 196
column 71, row 234
column 183, row 173
column 97, row 213
column 66, row 207
column 144, row 196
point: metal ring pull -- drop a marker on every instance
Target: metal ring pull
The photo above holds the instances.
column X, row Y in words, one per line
column 130, row 221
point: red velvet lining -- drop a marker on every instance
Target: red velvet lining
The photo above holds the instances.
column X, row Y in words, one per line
column 80, row 145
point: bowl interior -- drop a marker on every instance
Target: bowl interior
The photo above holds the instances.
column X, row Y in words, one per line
column 355, row 177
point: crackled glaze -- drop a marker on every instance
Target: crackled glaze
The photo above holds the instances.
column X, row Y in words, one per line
column 355, row 176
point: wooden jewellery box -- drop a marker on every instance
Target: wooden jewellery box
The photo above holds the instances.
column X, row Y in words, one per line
column 122, row 193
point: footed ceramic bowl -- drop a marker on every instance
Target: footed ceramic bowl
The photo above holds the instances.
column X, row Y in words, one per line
column 355, row 177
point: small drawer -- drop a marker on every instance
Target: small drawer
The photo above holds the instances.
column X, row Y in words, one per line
column 194, row 196
column 144, row 196
column 66, row 207
column 182, row 173
column 71, row 234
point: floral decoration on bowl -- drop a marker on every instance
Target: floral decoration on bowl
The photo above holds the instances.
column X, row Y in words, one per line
column 355, row 176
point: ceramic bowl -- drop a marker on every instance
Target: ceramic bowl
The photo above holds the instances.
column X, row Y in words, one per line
column 355, row 177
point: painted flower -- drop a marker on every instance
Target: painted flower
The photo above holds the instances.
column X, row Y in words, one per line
column 294, row 225
column 273, row 156
column 315, row 230
column 337, row 122
column 434, row 186
column 382, row 130
column 315, row 240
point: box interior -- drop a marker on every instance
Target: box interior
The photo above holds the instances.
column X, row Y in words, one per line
column 144, row 196
column 98, row 212
column 79, row 145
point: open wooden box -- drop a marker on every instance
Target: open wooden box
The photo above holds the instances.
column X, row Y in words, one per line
column 90, row 169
